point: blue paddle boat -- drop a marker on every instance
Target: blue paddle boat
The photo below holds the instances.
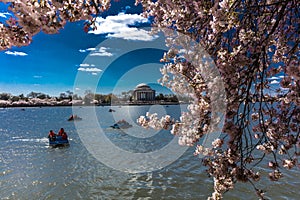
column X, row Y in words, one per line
column 57, row 141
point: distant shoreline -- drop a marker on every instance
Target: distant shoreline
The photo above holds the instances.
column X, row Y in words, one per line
column 65, row 104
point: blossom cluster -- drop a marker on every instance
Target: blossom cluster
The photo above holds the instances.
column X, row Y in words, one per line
column 31, row 17
column 252, row 44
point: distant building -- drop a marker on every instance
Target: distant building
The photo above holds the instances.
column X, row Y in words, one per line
column 143, row 92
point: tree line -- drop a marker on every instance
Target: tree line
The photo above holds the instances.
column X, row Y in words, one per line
column 88, row 98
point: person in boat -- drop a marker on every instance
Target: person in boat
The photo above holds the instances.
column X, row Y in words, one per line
column 71, row 117
column 74, row 117
column 63, row 134
column 51, row 135
column 60, row 132
column 121, row 124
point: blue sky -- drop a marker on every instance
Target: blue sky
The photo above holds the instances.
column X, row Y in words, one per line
column 120, row 54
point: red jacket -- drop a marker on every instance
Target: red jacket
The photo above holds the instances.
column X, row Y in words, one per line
column 51, row 134
column 64, row 136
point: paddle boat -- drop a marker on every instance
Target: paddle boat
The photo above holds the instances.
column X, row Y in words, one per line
column 111, row 110
column 57, row 141
column 122, row 124
column 74, row 118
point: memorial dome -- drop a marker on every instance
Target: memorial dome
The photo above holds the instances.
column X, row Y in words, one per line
column 142, row 86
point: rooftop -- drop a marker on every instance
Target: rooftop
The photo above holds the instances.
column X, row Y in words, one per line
column 142, row 85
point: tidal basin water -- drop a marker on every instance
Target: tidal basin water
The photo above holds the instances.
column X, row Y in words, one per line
column 30, row 169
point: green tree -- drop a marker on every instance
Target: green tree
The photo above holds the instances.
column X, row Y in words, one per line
column 5, row 96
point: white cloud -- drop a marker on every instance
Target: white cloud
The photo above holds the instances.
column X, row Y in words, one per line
column 91, row 49
column 86, row 65
column 37, row 76
column 88, row 49
column 118, row 26
column 94, row 73
column 94, row 69
column 133, row 34
column 274, row 78
column 4, row 15
column 101, row 54
column 15, row 53
column 102, row 51
column 274, row 82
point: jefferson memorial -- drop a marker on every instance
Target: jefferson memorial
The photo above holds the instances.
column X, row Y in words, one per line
column 143, row 92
